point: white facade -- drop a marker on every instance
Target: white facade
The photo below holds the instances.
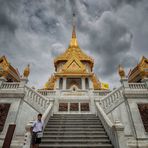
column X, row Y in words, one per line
column 117, row 109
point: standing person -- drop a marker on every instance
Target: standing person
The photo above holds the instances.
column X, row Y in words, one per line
column 37, row 131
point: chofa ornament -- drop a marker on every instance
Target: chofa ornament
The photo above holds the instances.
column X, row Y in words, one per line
column 26, row 71
column 121, row 72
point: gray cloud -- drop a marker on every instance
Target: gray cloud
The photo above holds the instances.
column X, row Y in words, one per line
column 111, row 31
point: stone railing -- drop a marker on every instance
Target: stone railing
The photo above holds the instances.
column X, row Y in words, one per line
column 45, row 118
column 10, row 85
column 137, row 86
column 47, row 92
column 73, row 93
column 100, row 92
column 109, row 126
column 36, row 100
column 112, row 100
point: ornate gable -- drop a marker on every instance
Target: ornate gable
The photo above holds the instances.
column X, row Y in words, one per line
column 143, row 63
column 8, row 71
column 4, row 62
column 73, row 66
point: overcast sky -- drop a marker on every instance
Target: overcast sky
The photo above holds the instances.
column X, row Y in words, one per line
column 112, row 32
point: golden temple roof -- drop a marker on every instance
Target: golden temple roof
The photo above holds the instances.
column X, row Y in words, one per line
column 74, row 50
column 139, row 72
column 8, row 71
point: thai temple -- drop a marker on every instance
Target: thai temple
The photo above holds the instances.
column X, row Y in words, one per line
column 78, row 109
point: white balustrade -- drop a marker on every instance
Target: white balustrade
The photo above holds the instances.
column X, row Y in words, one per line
column 112, row 100
column 100, row 92
column 10, row 85
column 137, row 86
column 36, row 100
column 108, row 125
column 46, row 115
column 47, row 92
column 74, row 93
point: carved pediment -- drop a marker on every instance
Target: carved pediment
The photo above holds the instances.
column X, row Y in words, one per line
column 3, row 63
column 73, row 66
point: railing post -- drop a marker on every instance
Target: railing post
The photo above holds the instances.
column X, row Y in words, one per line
column 145, row 80
column 27, row 139
column 120, row 137
column 2, row 80
column 23, row 82
column 124, row 82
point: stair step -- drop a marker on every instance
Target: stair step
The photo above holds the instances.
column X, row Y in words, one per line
column 76, row 145
column 74, row 132
column 74, row 120
column 73, row 123
column 74, row 115
column 74, row 129
column 75, row 141
column 74, row 126
column 75, row 136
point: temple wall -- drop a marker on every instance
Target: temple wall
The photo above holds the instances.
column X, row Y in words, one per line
column 136, row 117
column 25, row 114
column 132, row 118
column 13, row 112
column 121, row 114
column 20, row 113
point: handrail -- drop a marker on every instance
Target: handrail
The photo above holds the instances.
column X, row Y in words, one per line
column 47, row 92
column 137, row 86
column 108, row 125
column 46, row 116
column 10, row 85
column 35, row 99
column 101, row 92
column 112, row 100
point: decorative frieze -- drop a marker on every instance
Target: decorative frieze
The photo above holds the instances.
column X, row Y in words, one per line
column 85, row 107
column 74, row 107
column 63, row 106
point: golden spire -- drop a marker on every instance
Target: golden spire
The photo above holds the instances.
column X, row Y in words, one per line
column 73, row 42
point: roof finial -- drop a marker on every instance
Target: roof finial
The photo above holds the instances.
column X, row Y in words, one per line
column 73, row 42
column 74, row 21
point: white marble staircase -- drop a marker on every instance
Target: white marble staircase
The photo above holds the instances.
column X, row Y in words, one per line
column 77, row 130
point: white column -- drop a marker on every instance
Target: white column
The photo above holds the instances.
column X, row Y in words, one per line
column 57, row 84
column 79, row 107
column 83, row 83
column 91, row 87
column 64, row 83
column 68, row 107
column 145, row 80
column 124, row 82
column 23, row 82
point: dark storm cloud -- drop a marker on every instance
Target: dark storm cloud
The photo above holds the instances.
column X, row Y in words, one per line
column 6, row 19
column 111, row 31
column 112, row 42
column 120, row 3
column 7, row 23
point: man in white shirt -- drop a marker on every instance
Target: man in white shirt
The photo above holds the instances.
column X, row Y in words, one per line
column 36, row 128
